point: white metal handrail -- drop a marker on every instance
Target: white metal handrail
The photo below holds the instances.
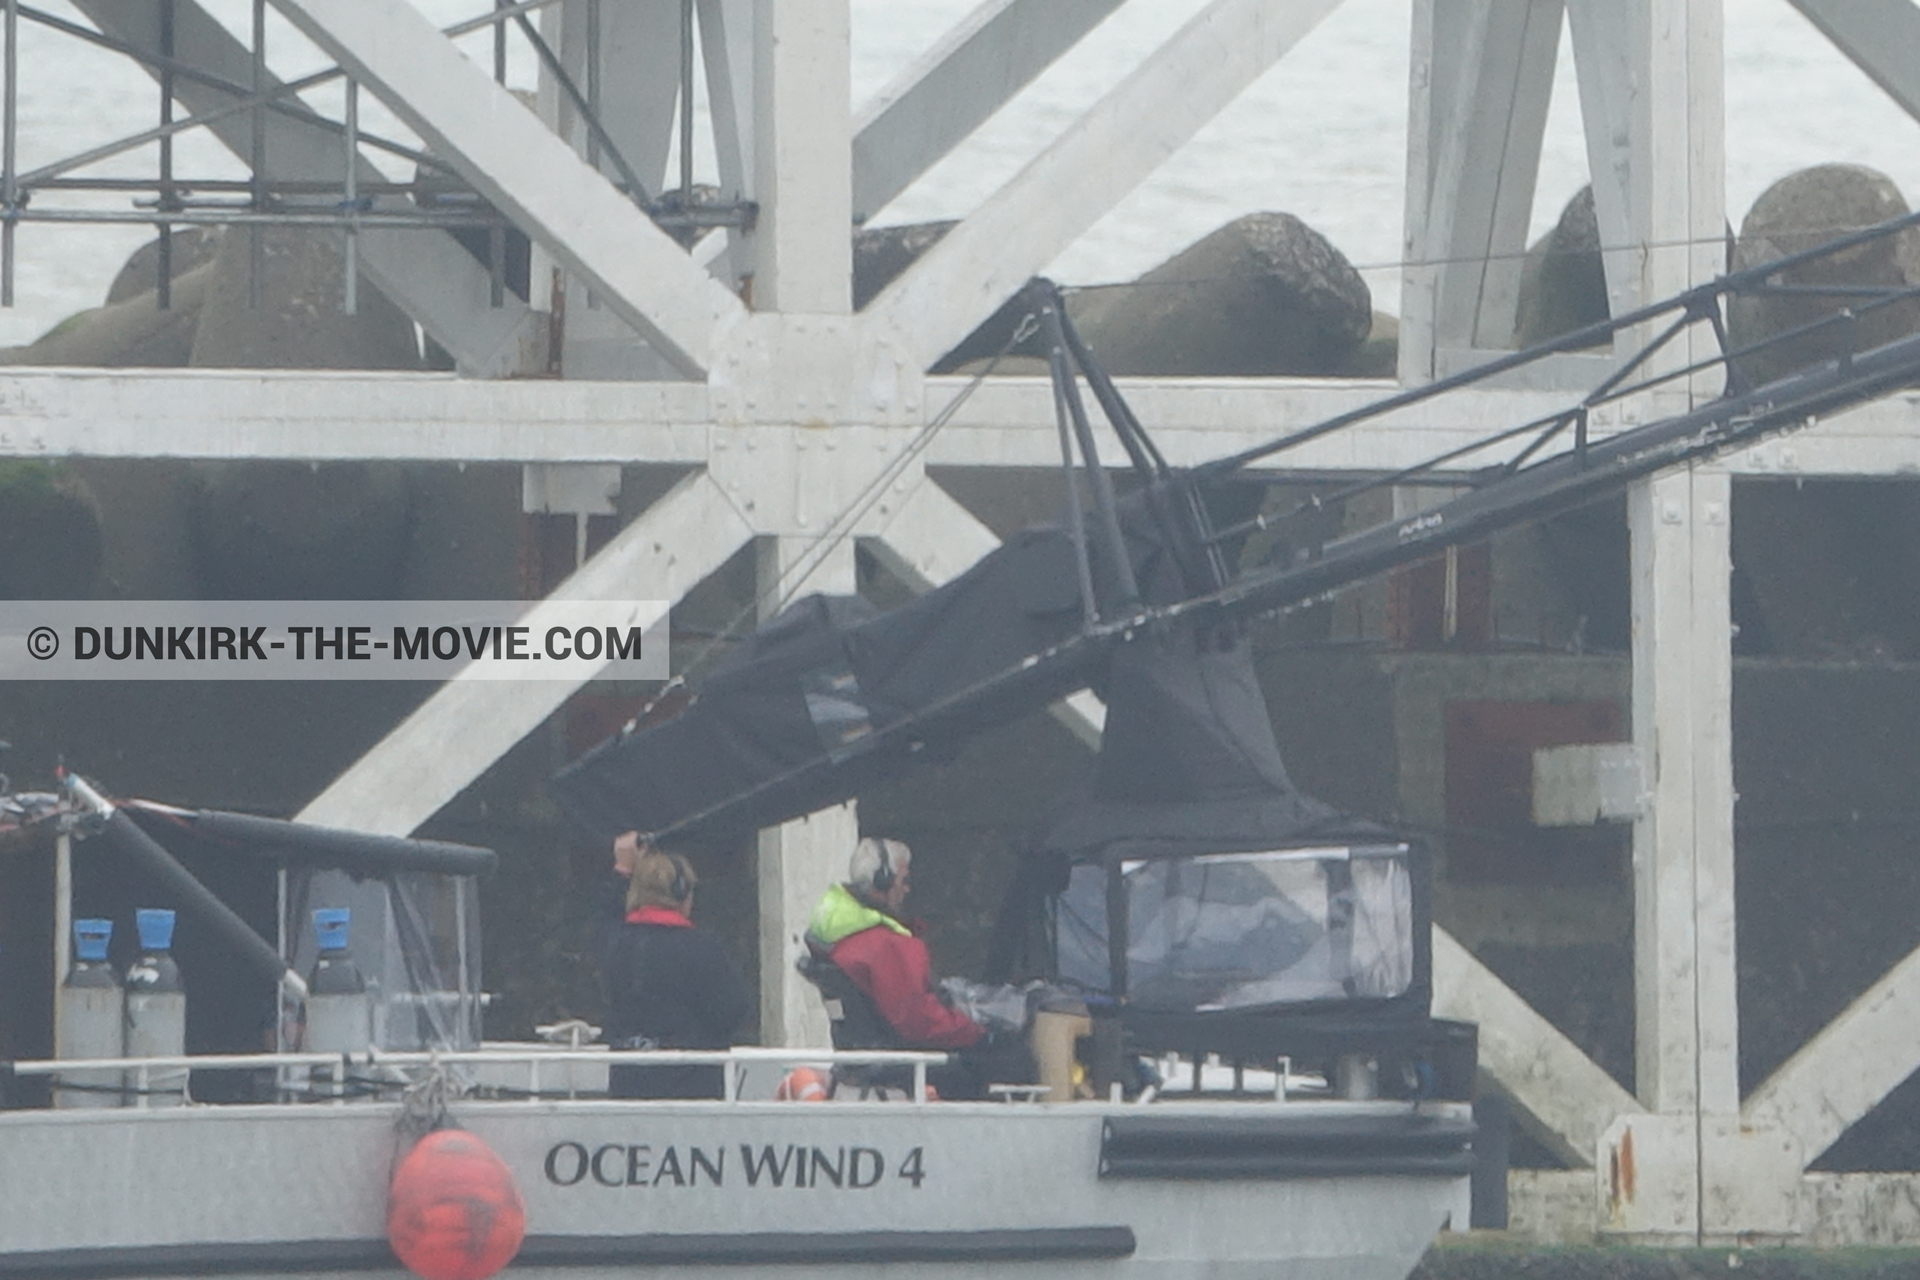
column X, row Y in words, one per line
column 533, row 1057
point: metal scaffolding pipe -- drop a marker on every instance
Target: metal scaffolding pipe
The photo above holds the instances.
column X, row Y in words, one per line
column 163, row 264
column 257, row 162
column 196, row 897
column 350, row 251
column 245, row 101
column 244, row 216
column 9, row 143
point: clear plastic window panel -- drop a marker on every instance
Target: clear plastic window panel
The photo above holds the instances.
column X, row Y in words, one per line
column 415, row 938
column 1238, row 930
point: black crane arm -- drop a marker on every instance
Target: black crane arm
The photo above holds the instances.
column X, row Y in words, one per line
column 831, row 695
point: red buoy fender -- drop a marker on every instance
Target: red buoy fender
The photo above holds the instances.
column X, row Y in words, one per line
column 453, row 1210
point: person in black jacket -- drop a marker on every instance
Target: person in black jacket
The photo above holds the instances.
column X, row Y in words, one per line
column 669, row 985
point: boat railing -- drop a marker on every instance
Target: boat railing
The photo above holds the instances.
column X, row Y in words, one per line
column 335, row 1073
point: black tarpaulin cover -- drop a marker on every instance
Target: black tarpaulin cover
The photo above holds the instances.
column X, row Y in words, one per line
column 1188, row 757
column 831, row 695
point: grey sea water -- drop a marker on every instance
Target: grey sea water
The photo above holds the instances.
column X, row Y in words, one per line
column 1322, row 135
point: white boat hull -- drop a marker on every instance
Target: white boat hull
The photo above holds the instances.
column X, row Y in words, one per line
column 809, row 1191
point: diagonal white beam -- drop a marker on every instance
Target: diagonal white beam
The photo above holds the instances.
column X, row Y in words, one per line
column 930, row 539
column 1601, row 32
column 947, row 93
column 1571, row 1100
column 1837, row 1077
column 1881, row 36
column 436, row 752
column 1471, row 170
column 1652, row 100
column 1107, row 152
column 425, row 272
column 726, row 51
column 639, row 89
column 533, row 177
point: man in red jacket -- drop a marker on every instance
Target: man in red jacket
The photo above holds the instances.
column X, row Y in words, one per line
column 857, row 925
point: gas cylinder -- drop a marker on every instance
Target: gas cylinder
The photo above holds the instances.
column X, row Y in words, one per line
column 156, row 1012
column 339, row 1008
column 92, row 1015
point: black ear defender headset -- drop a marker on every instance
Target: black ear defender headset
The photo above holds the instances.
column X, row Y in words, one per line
column 883, row 870
column 679, row 887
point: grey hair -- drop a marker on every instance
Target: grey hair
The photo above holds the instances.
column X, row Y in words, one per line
column 866, row 861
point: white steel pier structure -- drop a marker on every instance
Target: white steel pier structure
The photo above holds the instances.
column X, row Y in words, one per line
column 744, row 361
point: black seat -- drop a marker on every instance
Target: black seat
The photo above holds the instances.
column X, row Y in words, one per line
column 857, row 1024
